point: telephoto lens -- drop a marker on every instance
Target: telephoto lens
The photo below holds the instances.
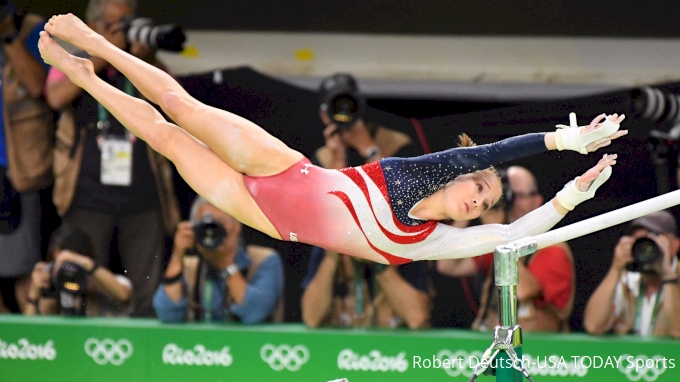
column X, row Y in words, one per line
column 661, row 107
column 645, row 253
column 340, row 100
column 209, row 233
column 70, row 280
column 166, row 37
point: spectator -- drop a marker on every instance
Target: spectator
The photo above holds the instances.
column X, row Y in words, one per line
column 26, row 140
column 131, row 192
column 228, row 283
column 99, row 292
column 546, row 287
column 343, row 291
column 640, row 297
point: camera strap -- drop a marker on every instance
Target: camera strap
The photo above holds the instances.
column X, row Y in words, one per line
column 640, row 307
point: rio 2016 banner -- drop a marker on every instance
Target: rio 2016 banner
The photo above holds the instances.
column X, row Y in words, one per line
column 62, row 349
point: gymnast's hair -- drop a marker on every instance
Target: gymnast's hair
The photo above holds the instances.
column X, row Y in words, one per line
column 95, row 8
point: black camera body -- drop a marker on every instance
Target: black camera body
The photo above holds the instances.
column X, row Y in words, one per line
column 166, row 37
column 341, row 101
column 208, row 232
column 645, row 254
column 70, row 282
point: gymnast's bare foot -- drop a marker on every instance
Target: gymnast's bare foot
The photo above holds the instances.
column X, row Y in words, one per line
column 77, row 69
column 74, row 31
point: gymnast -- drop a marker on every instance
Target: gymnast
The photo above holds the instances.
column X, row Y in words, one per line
column 388, row 211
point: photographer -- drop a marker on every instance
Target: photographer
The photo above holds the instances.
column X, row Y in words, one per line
column 391, row 296
column 107, row 180
column 225, row 281
column 640, row 294
column 74, row 284
column 351, row 141
column 26, row 139
column 342, row 291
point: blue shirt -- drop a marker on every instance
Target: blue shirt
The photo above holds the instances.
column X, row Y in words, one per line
column 31, row 44
column 261, row 296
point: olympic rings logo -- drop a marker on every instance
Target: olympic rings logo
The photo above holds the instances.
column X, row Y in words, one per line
column 642, row 367
column 284, row 357
column 108, row 351
column 461, row 362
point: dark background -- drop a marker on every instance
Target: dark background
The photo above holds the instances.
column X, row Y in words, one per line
column 605, row 18
column 290, row 113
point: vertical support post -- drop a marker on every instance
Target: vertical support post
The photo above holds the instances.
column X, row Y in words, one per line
column 506, row 266
column 507, row 277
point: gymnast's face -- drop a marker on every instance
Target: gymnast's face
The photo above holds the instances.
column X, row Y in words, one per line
column 471, row 194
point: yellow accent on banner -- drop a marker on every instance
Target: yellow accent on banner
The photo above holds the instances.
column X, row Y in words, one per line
column 190, row 51
column 304, row 54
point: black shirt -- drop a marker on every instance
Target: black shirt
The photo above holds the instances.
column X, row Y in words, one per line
column 90, row 193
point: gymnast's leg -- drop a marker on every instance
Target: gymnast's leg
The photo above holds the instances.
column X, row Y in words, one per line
column 206, row 173
column 243, row 145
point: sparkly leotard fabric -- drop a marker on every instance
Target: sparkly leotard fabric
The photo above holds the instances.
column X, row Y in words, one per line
column 363, row 211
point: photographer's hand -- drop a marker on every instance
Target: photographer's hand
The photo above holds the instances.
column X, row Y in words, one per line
column 623, row 253
column 40, row 279
column 335, row 146
column 142, row 51
column 667, row 270
column 68, row 256
column 184, row 240
column 359, row 138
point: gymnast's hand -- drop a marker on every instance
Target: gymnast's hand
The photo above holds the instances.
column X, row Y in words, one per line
column 586, row 139
column 584, row 181
column 583, row 187
column 597, row 123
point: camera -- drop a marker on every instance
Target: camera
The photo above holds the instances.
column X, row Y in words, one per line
column 340, row 100
column 70, row 282
column 166, row 37
column 645, row 254
column 209, row 233
column 662, row 107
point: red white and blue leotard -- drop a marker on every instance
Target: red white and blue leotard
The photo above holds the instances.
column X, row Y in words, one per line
column 363, row 211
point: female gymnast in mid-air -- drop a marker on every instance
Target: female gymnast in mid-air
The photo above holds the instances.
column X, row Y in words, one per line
column 387, row 211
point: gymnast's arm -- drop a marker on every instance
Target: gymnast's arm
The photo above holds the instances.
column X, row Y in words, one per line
column 475, row 241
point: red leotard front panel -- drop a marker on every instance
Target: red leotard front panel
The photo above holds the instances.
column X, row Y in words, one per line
column 344, row 211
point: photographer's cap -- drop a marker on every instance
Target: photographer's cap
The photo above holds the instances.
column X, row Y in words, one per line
column 658, row 222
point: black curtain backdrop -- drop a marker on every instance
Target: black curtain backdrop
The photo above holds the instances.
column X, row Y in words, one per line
column 290, row 113
column 605, row 18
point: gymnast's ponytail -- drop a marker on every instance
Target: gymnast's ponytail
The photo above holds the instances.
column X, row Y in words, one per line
column 465, row 141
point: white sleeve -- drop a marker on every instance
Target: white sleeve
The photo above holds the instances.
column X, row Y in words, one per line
column 456, row 243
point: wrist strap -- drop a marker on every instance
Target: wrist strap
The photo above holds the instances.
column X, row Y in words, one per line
column 95, row 266
column 670, row 281
column 173, row 279
column 372, row 152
